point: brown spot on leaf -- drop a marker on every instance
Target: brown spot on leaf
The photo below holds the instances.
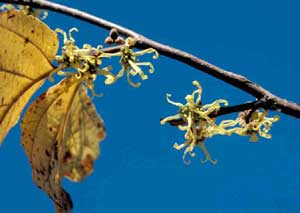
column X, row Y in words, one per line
column 56, row 90
column 55, row 150
column 101, row 135
column 67, row 157
column 42, row 96
column 11, row 16
column 87, row 164
column 99, row 125
column 59, row 102
column 26, row 40
column 42, row 172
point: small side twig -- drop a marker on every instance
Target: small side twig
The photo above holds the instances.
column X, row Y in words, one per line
column 112, row 49
column 225, row 111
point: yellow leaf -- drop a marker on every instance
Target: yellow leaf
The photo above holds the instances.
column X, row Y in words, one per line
column 27, row 47
column 61, row 132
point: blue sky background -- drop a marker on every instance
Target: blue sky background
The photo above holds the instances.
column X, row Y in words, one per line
column 138, row 170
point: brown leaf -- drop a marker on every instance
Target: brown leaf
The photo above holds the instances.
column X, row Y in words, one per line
column 61, row 132
column 27, row 48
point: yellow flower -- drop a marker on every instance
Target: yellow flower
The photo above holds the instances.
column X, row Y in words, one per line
column 130, row 63
column 199, row 125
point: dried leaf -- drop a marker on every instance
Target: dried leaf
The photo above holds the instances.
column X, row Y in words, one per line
column 27, row 48
column 61, row 132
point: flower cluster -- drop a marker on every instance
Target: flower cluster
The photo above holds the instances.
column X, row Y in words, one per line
column 252, row 124
column 200, row 125
column 87, row 61
column 129, row 61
